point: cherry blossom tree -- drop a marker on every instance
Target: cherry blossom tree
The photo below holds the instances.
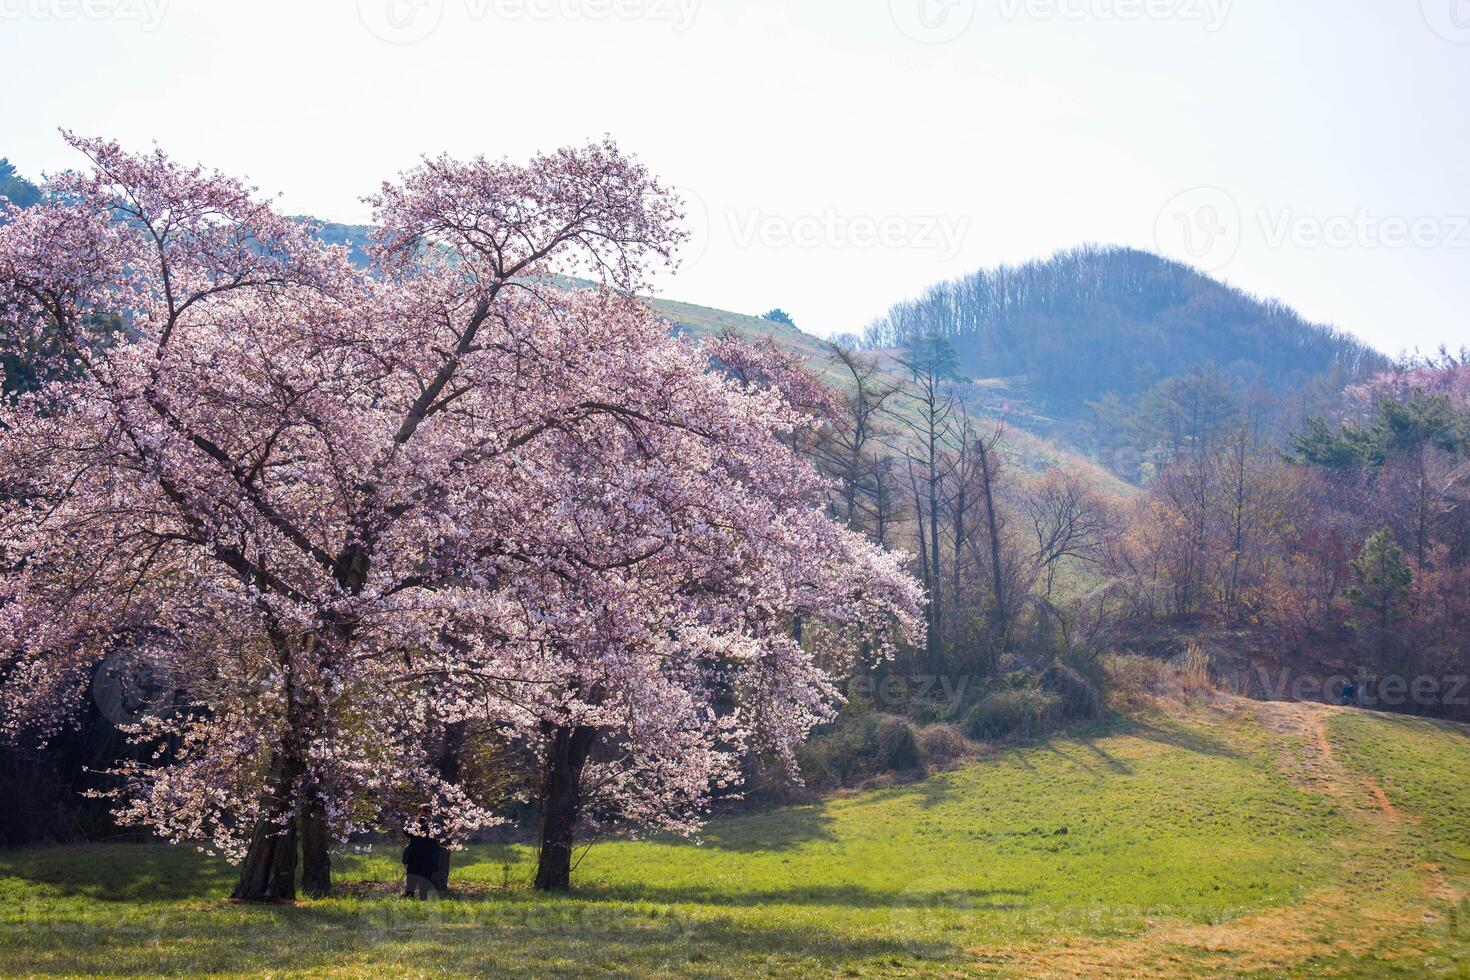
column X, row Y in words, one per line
column 339, row 507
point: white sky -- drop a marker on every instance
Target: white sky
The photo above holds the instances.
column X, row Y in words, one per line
column 837, row 164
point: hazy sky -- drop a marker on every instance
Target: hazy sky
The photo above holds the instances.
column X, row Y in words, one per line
column 840, row 154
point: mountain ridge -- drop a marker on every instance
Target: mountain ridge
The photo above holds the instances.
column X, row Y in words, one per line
column 1098, row 319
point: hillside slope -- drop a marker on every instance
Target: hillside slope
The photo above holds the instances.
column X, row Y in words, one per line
column 1094, row 320
column 1235, row 838
column 1043, row 340
column 1030, row 448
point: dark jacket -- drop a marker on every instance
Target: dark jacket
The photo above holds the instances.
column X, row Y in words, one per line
column 421, row 856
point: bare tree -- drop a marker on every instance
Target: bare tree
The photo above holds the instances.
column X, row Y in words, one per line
column 931, row 364
column 1068, row 520
column 853, row 449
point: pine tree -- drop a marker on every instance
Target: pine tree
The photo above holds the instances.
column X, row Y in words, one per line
column 1384, row 586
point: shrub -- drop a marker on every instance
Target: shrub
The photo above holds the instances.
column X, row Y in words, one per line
column 1195, row 672
column 1018, row 680
column 894, row 747
column 941, row 744
column 1136, row 682
column 1013, row 713
column 925, row 712
column 1079, row 697
column 859, row 748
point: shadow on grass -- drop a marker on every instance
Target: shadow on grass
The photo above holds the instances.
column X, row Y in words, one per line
column 774, row 830
column 932, row 792
column 1180, row 738
column 1093, row 758
column 120, row 872
column 574, row 935
column 845, row 896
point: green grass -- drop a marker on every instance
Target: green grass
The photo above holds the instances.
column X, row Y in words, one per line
column 1422, row 767
column 1089, row 844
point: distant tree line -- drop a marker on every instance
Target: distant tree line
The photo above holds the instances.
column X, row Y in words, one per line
column 1349, row 551
column 914, row 466
column 1333, row 534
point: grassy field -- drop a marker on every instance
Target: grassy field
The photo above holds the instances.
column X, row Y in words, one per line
column 1234, row 838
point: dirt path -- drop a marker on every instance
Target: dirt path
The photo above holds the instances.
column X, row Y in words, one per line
column 1307, row 722
column 1386, row 898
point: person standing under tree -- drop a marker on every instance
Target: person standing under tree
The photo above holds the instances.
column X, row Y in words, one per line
column 420, row 858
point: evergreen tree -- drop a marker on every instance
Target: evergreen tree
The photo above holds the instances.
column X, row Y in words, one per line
column 15, row 187
column 1384, row 584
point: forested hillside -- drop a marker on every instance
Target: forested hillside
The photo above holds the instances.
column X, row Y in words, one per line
column 16, row 188
column 1096, row 320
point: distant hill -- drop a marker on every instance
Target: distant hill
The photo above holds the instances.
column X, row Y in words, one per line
column 15, row 188
column 1067, row 330
column 1040, row 343
column 355, row 237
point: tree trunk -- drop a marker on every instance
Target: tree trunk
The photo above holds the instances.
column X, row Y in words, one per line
column 268, row 873
column 561, row 803
column 449, row 770
column 316, row 859
column 936, row 602
column 997, row 570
